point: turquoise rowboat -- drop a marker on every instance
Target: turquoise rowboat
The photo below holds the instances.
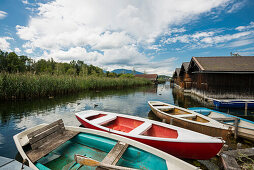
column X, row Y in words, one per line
column 245, row 127
column 94, row 144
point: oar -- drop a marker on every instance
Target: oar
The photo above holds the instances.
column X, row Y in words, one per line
column 83, row 160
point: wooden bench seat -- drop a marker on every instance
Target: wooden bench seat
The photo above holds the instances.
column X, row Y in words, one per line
column 186, row 116
column 48, row 138
column 164, row 108
column 104, row 119
column 115, row 154
column 141, row 128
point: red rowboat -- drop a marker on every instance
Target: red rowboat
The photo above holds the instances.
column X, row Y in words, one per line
column 174, row 140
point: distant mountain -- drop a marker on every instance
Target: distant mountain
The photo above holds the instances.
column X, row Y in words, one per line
column 118, row 71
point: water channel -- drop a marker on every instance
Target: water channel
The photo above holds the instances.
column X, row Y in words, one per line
column 15, row 116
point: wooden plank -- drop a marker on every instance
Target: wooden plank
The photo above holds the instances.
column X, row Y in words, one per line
column 229, row 162
column 50, row 145
column 46, row 133
column 37, row 144
column 141, row 128
column 115, row 154
column 37, row 132
column 224, row 118
column 239, row 152
column 104, row 119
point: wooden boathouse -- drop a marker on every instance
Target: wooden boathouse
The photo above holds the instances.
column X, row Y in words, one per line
column 151, row 77
column 185, row 79
column 175, row 77
column 222, row 77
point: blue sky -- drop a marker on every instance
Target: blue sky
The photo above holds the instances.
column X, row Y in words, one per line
column 151, row 36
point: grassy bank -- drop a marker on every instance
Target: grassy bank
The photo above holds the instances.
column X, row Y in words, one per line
column 22, row 86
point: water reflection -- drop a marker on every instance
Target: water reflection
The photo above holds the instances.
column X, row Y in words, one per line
column 16, row 116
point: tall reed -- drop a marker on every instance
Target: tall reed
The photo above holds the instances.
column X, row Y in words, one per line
column 21, row 86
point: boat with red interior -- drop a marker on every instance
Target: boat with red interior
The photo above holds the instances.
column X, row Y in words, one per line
column 174, row 140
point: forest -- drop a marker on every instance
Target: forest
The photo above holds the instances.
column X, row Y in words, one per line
column 24, row 78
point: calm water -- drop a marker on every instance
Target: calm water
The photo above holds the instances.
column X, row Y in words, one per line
column 19, row 115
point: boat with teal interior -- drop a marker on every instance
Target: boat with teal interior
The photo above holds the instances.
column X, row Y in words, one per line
column 56, row 147
column 245, row 128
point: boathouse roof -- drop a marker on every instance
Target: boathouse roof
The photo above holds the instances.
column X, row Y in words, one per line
column 152, row 77
column 184, row 68
column 177, row 72
column 222, row 64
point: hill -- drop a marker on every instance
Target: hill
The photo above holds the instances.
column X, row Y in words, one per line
column 118, row 71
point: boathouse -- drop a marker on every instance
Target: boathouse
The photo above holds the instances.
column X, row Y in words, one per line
column 222, row 77
column 151, row 77
column 176, row 77
column 185, row 79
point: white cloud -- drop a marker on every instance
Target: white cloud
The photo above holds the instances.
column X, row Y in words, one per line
column 17, row 50
column 236, row 6
column 3, row 14
column 108, row 32
column 243, row 28
column 241, row 43
column 29, row 51
column 4, row 44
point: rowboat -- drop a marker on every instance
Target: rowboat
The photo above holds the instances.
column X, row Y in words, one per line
column 56, row 146
column 188, row 119
column 245, row 127
column 174, row 140
column 234, row 103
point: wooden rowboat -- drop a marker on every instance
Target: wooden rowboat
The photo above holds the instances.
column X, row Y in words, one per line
column 189, row 119
column 245, row 128
column 171, row 139
column 54, row 146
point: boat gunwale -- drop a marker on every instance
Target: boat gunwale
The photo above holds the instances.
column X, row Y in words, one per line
column 183, row 132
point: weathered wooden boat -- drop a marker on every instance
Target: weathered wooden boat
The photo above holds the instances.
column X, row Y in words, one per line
column 188, row 119
column 245, row 128
column 234, row 103
column 171, row 139
column 54, row 146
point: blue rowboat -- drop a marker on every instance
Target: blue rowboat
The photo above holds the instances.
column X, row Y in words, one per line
column 95, row 145
column 234, row 103
column 245, row 127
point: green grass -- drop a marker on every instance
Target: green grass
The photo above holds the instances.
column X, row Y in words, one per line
column 22, row 86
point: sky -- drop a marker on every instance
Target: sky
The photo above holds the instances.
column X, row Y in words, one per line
column 152, row 36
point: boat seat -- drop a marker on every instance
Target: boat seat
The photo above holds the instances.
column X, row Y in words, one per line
column 48, row 138
column 114, row 155
column 85, row 115
column 186, row 116
column 141, row 128
column 104, row 119
column 164, row 108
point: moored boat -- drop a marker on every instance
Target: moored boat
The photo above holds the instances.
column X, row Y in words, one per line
column 171, row 139
column 189, row 119
column 245, row 127
column 234, row 103
column 54, row 146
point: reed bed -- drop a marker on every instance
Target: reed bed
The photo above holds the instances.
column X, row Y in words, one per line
column 22, row 86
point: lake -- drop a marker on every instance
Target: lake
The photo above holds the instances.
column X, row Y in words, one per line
column 15, row 116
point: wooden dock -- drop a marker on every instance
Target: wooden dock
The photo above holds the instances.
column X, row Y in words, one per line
column 7, row 164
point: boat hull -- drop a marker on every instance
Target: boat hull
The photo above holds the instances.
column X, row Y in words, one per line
column 233, row 103
column 179, row 149
column 245, row 132
column 204, row 129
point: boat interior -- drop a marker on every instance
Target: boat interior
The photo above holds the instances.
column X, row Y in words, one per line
column 93, row 146
column 132, row 126
column 178, row 112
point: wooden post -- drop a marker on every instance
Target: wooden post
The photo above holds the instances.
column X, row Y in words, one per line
column 164, row 120
column 246, row 108
column 236, row 127
column 171, row 121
